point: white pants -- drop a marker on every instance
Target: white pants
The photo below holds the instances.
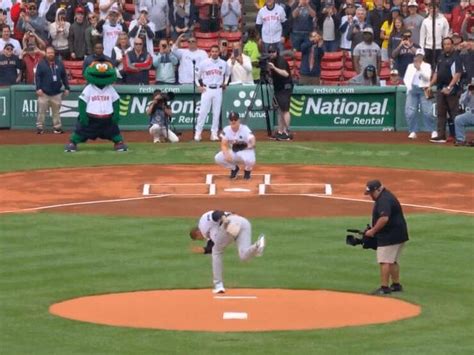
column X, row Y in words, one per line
column 159, row 134
column 246, row 157
column 222, row 239
column 210, row 97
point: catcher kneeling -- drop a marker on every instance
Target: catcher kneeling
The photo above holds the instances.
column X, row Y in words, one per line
column 237, row 147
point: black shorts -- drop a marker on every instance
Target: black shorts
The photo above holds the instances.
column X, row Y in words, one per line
column 282, row 98
column 98, row 128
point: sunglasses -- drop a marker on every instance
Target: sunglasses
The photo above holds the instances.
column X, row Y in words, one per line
column 192, row 41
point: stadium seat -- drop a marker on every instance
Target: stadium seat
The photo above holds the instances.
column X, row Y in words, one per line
column 206, row 35
column 331, row 75
column 152, row 76
column 348, row 64
column 206, row 44
column 386, row 64
column 330, row 82
column 332, row 56
column 385, row 74
column 348, row 74
column 73, row 64
column 331, row 65
column 231, row 36
column 130, row 8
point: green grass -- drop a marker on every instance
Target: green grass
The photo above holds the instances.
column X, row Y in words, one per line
column 41, row 263
column 25, row 157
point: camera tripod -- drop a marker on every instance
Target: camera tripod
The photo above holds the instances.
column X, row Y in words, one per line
column 263, row 87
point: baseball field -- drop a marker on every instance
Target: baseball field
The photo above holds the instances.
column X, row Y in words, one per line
column 97, row 224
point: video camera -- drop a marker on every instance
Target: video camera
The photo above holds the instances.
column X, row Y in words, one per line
column 366, row 242
column 161, row 98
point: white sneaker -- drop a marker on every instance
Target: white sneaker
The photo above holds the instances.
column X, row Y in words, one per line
column 260, row 244
column 412, row 135
column 214, row 137
column 434, row 134
column 197, row 137
column 218, row 288
column 156, row 140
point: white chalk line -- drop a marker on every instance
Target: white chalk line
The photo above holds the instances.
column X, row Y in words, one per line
column 235, row 297
column 31, row 209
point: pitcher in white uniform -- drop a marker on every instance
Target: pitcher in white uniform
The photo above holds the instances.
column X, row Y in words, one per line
column 225, row 228
column 212, row 76
column 237, row 147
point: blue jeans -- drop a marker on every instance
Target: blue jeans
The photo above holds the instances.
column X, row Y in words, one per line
column 415, row 99
column 331, row 46
column 461, row 122
column 297, row 38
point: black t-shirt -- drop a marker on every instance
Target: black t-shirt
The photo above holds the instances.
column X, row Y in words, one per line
column 448, row 65
column 8, row 67
column 280, row 82
column 395, row 231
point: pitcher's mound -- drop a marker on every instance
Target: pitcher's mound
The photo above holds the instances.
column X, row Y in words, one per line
column 236, row 310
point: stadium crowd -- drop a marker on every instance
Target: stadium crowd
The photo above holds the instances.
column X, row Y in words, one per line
column 329, row 42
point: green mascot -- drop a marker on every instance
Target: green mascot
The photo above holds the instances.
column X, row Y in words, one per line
column 98, row 108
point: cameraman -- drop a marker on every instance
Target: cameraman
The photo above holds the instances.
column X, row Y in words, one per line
column 390, row 229
column 283, row 88
column 159, row 112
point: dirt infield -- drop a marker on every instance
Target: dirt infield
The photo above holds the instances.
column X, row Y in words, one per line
column 236, row 310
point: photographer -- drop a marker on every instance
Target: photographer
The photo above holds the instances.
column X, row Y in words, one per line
column 165, row 63
column 390, row 229
column 240, row 66
column 142, row 27
column 312, row 53
column 31, row 56
column 283, row 88
column 159, row 112
column 467, row 118
column 404, row 53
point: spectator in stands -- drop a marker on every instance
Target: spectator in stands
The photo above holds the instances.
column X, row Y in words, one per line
column 32, row 53
column 368, row 77
column 106, row 5
column 447, row 6
column 346, row 22
column 122, row 47
column 15, row 13
column 66, row 5
column 426, row 35
column 367, row 53
column 252, row 51
column 5, row 18
column 467, row 118
column 189, row 58
column 159, row 11
column 395, row 37
column 269, row 24
column 259, row 4
column 10, row 66
column 165, row 63
column 355, row 31
column 98, row 55
column 447, row 75
column 386, row 30
column 50, row 78
column 466, row 53
column 404, row 53
column 304, row 15
column 59, row 32
column 208, row 14
column 467, row 27
column 404, row 12
column 6, row 38
column 77, row 35
column 31, row 22
column 395, row 79
column 413, row 21
column 87, row 5
column 143, row 27
column 44, row 7
column 137, row 64
column 240, row 66
column 417, row 80
column 92, row 35
column 376, row 18
column 181, row 17
column 231, row 12
column 328, row 22
column 312, row 51
column 111, row 29
column 224, row 49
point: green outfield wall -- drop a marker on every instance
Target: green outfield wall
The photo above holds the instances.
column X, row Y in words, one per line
column 312, row 107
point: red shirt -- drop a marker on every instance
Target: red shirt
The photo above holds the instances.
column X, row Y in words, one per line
column 30, row 66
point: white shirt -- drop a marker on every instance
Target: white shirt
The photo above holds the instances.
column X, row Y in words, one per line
column 426, row 31
column 14, row 42
column 243, row 134
column 186, row 67
column 212, row 72
column 420, row 77
column 99, row 101
column 110, row 35
column 271, row 21
column 241, row 73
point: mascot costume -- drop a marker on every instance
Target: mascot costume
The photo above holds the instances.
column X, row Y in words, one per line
column 98, row 108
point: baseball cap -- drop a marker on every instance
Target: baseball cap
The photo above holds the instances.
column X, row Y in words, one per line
column 8, row 45
column 368, row 30
column 144, row 9
column 395, row 8
column 79, row 10
column 412, row 3
column 371, row 186
column 370, row 68
column 217, row 215
column 420, row 51
column 233, row 116
column 394, row 72
column 114, row 8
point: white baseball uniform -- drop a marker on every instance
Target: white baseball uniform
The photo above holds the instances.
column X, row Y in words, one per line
column 213, row 73
column 271, row 21
column 246, row 156
column 99, row 101
column 186, row 67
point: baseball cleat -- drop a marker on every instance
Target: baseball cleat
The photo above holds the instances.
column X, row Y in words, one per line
column 197, row 137
column 70, row 148
column 247, row 174
column 214, row 137
column 120, row 147
column 233, row 173
column 218, row 288
column 412, row 135
column 260, row 244
column 434, row 134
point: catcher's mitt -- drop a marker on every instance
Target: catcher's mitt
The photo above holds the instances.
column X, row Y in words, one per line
column 237, row 147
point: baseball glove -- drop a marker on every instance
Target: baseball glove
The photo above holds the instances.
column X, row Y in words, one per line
column 237, row 147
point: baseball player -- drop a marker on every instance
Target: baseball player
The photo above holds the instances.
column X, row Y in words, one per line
column 224, row 228
column 212, row 75
column 237, row 146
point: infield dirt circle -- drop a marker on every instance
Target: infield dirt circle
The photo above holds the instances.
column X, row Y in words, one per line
column 292, row 191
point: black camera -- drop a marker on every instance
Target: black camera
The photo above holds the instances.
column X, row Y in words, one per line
column 162, row 98
column 366, row 242
column 263, row 62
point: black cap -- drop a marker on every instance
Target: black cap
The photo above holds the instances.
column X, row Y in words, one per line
column 272, row 48
column 217, row 215
column 9, row 45
column 371, row 186
column 233, row 116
